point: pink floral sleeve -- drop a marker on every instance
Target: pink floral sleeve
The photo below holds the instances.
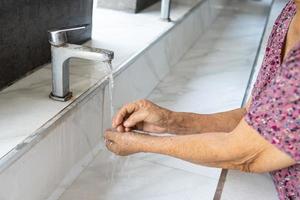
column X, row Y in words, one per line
column 275, row 111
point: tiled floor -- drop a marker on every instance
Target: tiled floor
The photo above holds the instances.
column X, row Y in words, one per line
column 211, row 77
column 132, row 178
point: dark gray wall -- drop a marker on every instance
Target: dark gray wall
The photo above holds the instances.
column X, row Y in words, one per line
column 23, row 32
column 142, row 4
column 133, row 6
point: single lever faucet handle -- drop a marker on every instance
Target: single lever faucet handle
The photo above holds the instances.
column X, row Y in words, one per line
column 58, row 37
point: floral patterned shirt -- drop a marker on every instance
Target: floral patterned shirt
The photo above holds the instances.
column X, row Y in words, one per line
column 275, row 108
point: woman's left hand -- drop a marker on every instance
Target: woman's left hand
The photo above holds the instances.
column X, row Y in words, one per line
column 123, row 144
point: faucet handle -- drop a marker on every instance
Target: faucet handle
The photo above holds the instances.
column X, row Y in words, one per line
column 58, row 37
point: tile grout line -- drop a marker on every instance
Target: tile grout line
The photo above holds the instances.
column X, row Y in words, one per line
column 220, row 185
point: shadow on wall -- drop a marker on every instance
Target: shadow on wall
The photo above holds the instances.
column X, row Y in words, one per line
column 23, row 33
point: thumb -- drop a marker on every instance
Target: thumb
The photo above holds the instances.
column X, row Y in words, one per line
column 135, row 118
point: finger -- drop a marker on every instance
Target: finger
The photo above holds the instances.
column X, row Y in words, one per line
column 135, row 118
column 124, row 111
column 121, row 114
column 127, row 129
column 120, row 128
column 114, row 124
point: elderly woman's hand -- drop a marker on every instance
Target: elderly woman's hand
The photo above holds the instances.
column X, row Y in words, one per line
column 123, row 144
column 142, row 115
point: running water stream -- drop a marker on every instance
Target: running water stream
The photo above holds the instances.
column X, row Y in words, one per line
column 118, row 163
column 109, row 70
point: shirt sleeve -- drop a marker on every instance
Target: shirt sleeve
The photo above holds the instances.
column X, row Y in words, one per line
column 275, row 114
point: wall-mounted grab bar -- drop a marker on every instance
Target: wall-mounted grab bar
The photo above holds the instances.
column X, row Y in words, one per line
column 165, row 10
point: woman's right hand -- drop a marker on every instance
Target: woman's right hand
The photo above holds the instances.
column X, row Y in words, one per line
column 142, row 115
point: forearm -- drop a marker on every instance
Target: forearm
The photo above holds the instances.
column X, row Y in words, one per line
column 191, row 123
column 243, row 149
column 204, row 149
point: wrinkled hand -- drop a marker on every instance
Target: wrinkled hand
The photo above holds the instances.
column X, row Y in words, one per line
column 142, row 115
column 123, row 144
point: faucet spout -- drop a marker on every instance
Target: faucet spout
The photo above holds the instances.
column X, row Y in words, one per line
column 61, row 56
column 89, row 53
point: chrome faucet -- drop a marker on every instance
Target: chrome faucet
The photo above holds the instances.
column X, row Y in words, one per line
column 165, row 10
column 62, row 52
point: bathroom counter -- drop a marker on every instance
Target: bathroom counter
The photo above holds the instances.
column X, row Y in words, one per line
column 25, row 108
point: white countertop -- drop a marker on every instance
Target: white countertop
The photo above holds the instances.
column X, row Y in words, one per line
column 25, row 106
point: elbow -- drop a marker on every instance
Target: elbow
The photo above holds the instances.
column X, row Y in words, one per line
column 252, row 163
column 252, row 168
column 248, row 166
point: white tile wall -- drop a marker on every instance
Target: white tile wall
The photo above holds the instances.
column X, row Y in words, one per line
column 68, row 146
